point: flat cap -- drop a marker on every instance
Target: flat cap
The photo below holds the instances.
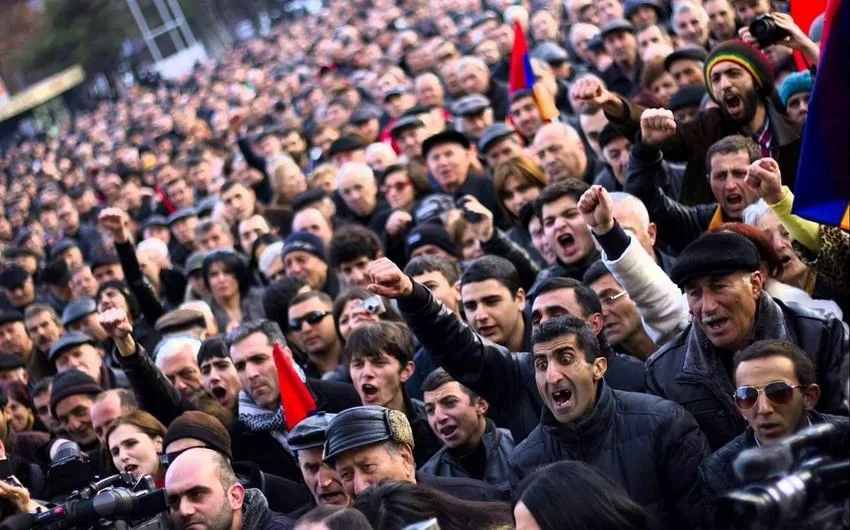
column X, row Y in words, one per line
column 492, row 134
column 195, row 262
column 687, row 96
column 178, row 320
column 549, row 52
column 609, row 133
column 615, row 26
column 595, row 43
column 396, row 90
column 404, row 123
column 448, row 136
column 432, row 206
column 470, row 105
column 310, row 432
column 182, row 213
column 363, row 426
column 364, row 113
column 10, row 361
column 630, row 6
column 10, row 315
column 206, row 205
column 344, row 144
column 104, row 258
column 155, row 220
column 69, row 339
column 715, row 253
column 689, row 52
column 62, row 246
column 17, row 252
column 77, row 309
column 72, row 383
column 13, row 276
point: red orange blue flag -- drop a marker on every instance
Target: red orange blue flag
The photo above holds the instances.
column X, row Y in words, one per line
column 521, row 76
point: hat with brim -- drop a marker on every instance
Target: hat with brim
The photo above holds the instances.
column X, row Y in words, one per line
column 310, row 432
column 178, row 320
column 10, row 316
column 448, row 136
column 618, row 25
column 470, row 105
column 77, row 309
column 404, row 123
column 63, row 246
column 364, row 426
column 345, row 144
column 195, row 262
column 155, row 220
column 690, row 53
column 493, row 134
column 69, row 339
column 182, row 213
column 10, row 361
column 714, row 254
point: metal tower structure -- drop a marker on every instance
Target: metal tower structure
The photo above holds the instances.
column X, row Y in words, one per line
column 172, row 23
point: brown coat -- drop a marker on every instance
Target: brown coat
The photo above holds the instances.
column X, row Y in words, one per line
column 694, row 138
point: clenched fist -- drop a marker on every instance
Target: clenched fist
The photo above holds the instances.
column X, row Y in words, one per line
column 589, row 91
column 656, row 126
column 117, row 325
column 114, row 221
column 765, row 178
column 388, row 280
column 597, row 209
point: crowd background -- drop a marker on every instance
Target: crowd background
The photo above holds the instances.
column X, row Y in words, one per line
column 500, row 318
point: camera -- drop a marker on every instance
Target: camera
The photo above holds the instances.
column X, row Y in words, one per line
column 374, row 305
column 471, row 217
column 797, row 485
column 69, row 470
column 764, row 29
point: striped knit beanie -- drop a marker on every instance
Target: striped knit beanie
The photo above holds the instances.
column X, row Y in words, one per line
column 747, row 57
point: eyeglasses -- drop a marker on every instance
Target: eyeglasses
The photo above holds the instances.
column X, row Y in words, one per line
column 397, row 187
column 778, row 392
column 312, row 318
column 608, row 300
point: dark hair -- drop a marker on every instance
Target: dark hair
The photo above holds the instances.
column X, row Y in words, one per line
column 440, row 377
column 586, row 298
column 359, row 293
column 42, row 386
column 213, row 348
column 352, row 242
column 228, row 184
column 569, row 325
column 122, row 287
column 267, row 239
column 804, row 366
column 491, row 267
column 336, row 518
column 392, row 505
column 595, row 501
column 309, row 295
column 233, row 264
column 596, row 270
column 767, row 254
column 566, row 188
column 278, row 296
column 425, row 264
column 371, row 340
column 248, row 327
column 728, row 145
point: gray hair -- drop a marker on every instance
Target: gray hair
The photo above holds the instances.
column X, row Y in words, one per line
column 268, row 328
column 754, row 212
column 634, row 204
column 174, row 344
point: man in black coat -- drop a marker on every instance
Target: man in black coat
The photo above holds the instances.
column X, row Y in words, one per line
column 720, row 273
column 650, row 446
column 776, row 395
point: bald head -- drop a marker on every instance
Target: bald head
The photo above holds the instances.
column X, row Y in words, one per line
column 429, row 90
column 561, row 151
column 313, row 221
column 632, row 215
column 202, row 489
column 356, row 183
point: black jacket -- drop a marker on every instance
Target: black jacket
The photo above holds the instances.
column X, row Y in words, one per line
column 262, row 448
column 699, row 381
column 649, row 446
column 497, row 93
column 463, row 488
column 496, row 445
column 283, row 495
column 717, row 476
column 618, row 81
column 256, row 514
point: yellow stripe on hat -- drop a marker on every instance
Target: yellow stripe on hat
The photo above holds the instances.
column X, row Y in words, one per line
column 736, row 58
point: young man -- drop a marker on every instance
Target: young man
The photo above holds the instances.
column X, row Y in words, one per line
column 493, row 302
column 380, row 361
column 312, row 326
column 474, row 446
column 304, row 255
column 352, row 248
column 218, row 375
column 651, row 447
column 71, row 398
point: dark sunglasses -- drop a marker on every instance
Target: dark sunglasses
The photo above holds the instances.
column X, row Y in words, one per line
column 312, row 318
column 778, row 392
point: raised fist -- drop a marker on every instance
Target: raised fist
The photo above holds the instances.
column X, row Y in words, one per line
column 765, row 178
column 589, row 90
column 597, row 209
column 388, row 280
column 657, row 125
column 114, row 221
column 116, row 323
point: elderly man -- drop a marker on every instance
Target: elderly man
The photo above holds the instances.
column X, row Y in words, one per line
column 561, row 152
column 77, row 351
column 307, row 439
column 720, row 274
column 358, row 189
column 690, row 22
column 368, row 444
column 474, row 76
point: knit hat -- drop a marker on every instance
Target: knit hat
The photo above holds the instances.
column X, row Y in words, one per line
column 747, row 57
column 71, row 383
column 201, row 426
column 430, row 234
column 305, row 242
column 794, row 84
column 715, row 253
column 13, row 277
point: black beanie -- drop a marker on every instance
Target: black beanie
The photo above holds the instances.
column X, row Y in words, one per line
column 430, row 234
column 71, row 383
column 715, row 253
column 201, row 426
column 747, row 57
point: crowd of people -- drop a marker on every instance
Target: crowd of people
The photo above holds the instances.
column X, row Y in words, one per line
column 501, row 320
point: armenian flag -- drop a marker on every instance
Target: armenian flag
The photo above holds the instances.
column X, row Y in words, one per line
column 822, row 186
column 521, row 76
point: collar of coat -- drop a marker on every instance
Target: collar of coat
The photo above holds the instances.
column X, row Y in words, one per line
column 587, row 431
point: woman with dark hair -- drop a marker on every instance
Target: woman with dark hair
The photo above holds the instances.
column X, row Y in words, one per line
column 571, row 495
column 402, row 187
column 392, row 505
column 329, row 517
column 19, row 413
column 134, row 442
column 519, row 181
column 232, row 297
column 356, row 307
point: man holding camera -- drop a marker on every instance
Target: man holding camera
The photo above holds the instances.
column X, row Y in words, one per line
column 776, row 393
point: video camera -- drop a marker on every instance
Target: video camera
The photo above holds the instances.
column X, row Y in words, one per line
column 764, row 29
column 790, row 485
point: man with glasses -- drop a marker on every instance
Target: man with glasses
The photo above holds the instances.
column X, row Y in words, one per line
column 312, row 325
column 776, row 394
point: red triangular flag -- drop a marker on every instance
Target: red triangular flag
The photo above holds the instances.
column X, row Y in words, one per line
column 296, row 401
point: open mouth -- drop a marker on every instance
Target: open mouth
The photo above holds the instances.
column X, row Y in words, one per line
column 566, row 240
column 562, row 397
column 130, row 468
column 770, row 428
column 369, row 393
column 735, row 199
column 448, row 431
column 218, row 392
column 785, row 259
column 332, row 497
column 487, row 331
column 714, row 323
column 734, row 104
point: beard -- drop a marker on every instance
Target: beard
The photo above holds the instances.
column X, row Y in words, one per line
column 750, row 102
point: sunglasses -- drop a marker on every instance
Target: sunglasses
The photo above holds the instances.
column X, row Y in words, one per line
column 778, row 392
column 312, row 318
column 398, row 187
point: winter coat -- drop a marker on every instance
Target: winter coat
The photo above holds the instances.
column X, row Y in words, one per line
column 466, row 489
column 425, row 441
column 256, row 514
column 251, row 303
column 650, row 446
column 689, row 372
column 283, row 495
